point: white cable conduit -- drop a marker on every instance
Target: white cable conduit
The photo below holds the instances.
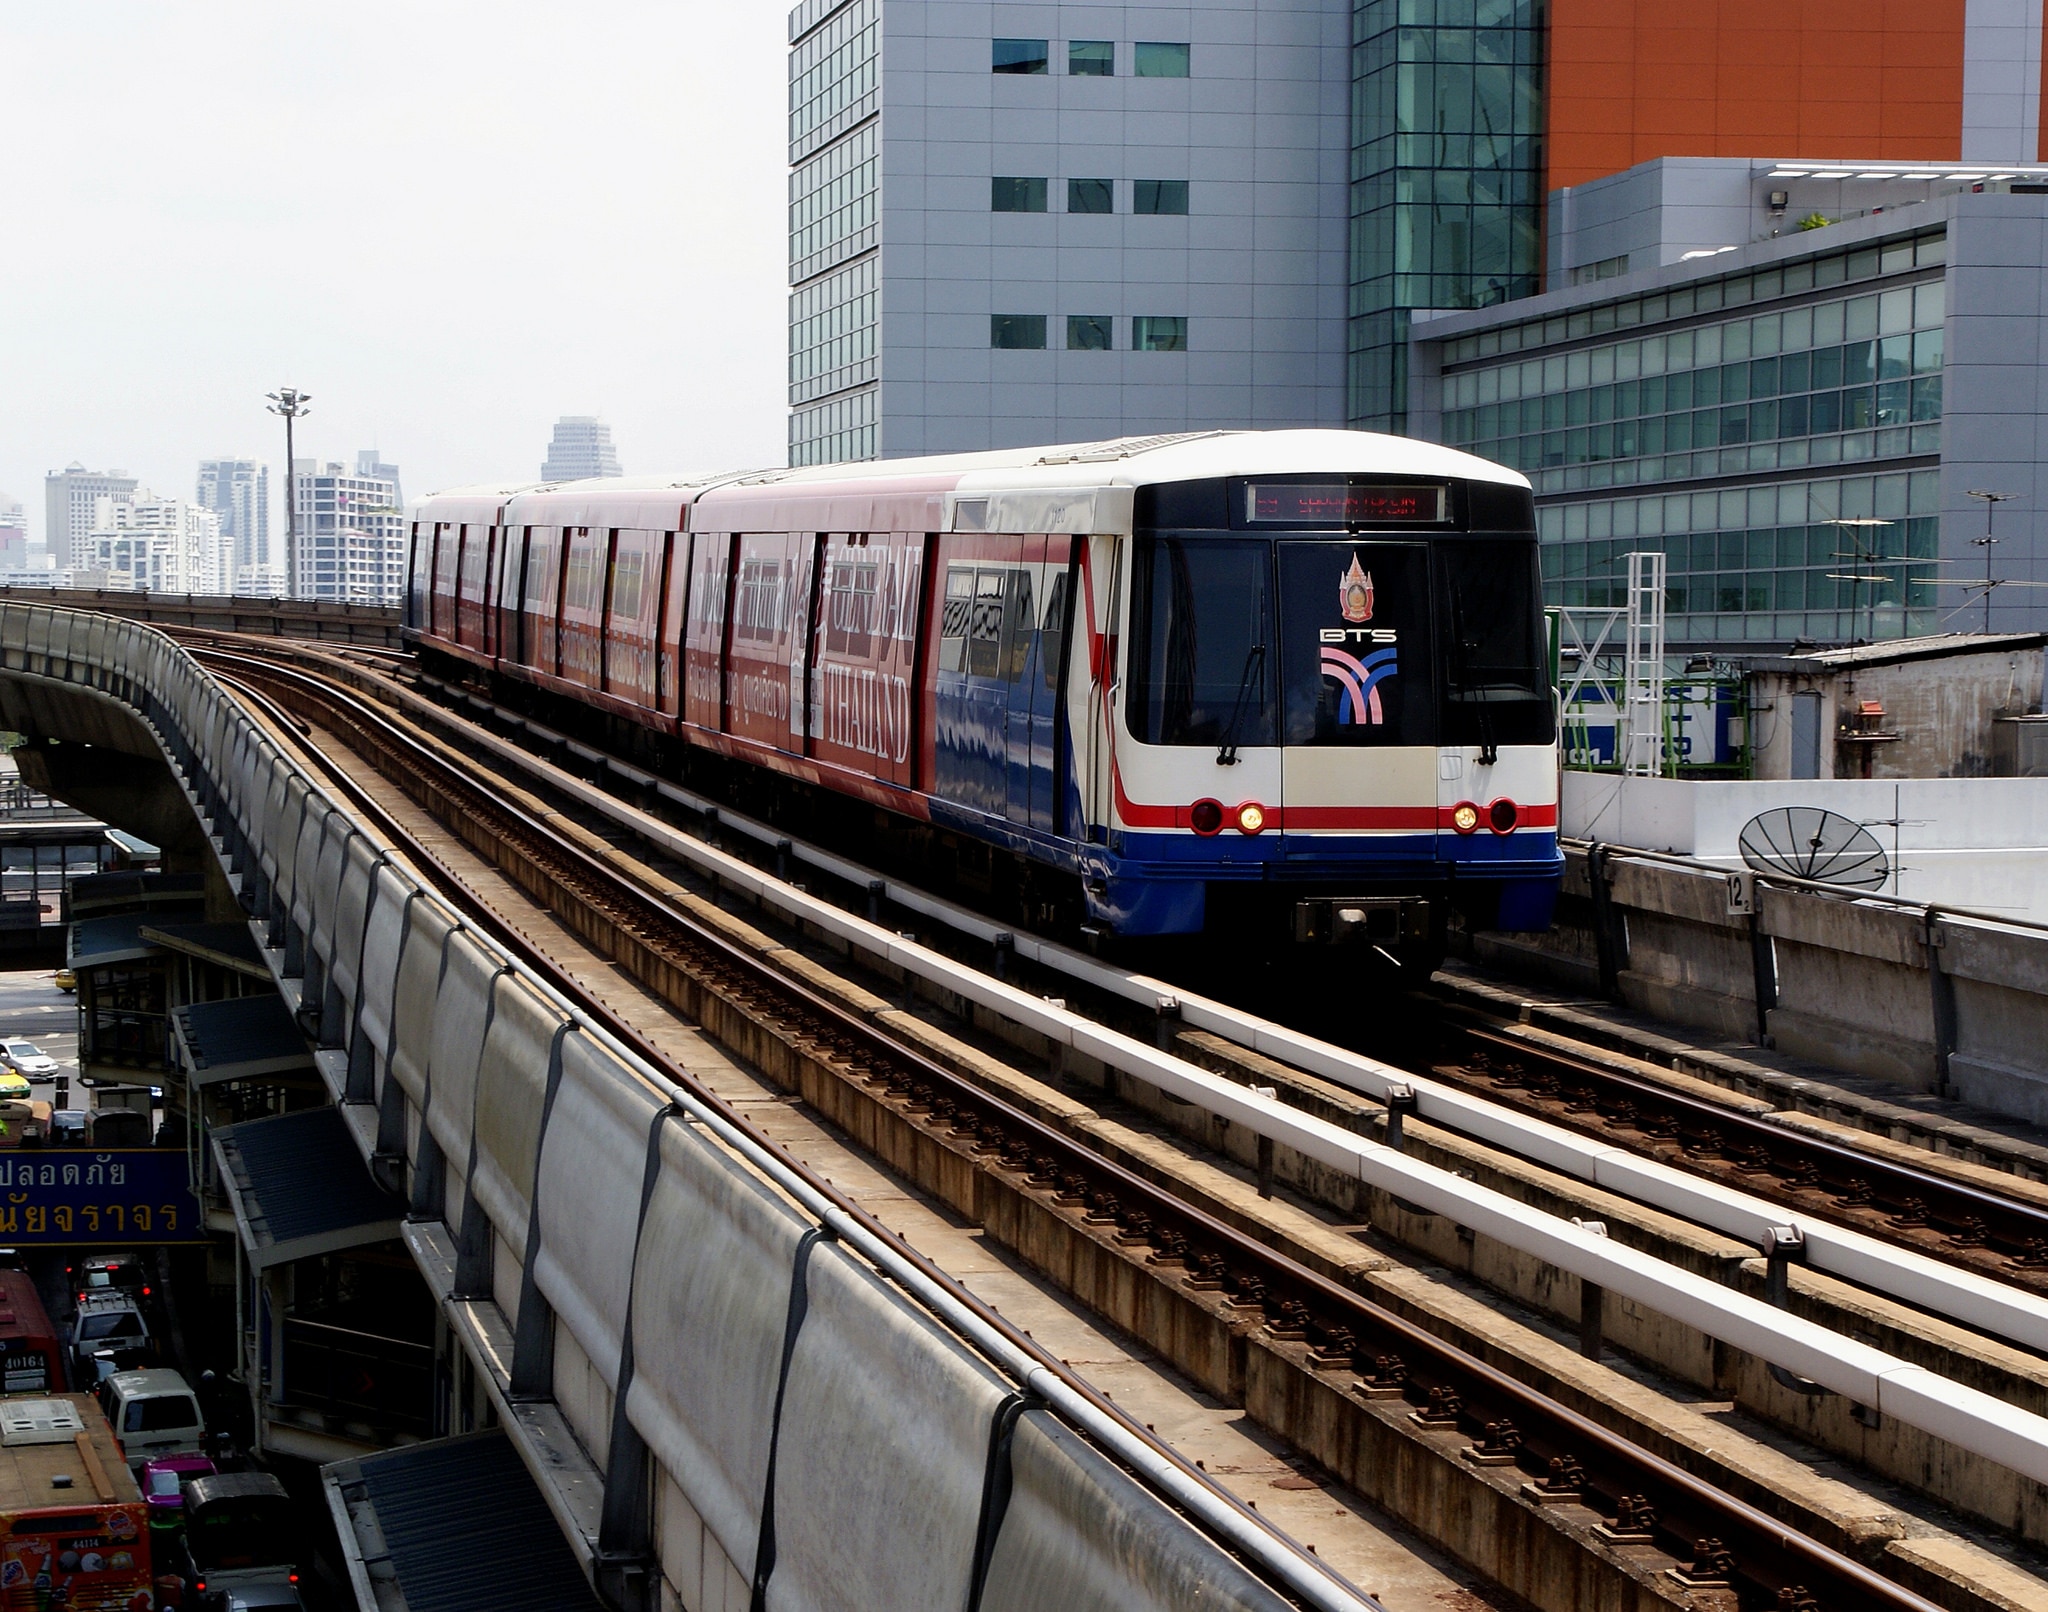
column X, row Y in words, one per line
column 1964, row 1296
column 1972, row 1420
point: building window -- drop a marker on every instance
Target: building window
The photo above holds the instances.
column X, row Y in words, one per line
column 1088, row 332
column 1152, row 60
column 1159, row 196
column 1016, row 330
column 1156, row 333
column 1019, row 56
column 1016, row 195
column 1091, row 195
column 1091, row 58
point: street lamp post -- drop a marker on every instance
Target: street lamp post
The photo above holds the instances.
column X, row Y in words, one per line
column 1862, row 555
column 1991, row 503
column 291, row 403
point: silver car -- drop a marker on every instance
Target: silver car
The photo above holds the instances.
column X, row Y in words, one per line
column 27, row 1059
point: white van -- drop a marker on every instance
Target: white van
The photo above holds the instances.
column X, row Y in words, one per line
column 153, row 1413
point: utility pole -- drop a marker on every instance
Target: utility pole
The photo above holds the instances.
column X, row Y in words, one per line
column 1991, row 503
column 291, row 403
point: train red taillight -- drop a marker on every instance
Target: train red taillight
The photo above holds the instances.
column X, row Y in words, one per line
column 1502, row 815
column 1206, row 817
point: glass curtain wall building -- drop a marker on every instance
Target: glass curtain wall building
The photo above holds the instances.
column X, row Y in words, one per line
column 1797, row 424
column 1446, row 176
column 834, row 197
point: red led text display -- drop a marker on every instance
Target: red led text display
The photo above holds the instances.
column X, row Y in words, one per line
column 1318, row 503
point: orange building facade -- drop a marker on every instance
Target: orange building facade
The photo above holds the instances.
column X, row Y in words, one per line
column 1880, row 80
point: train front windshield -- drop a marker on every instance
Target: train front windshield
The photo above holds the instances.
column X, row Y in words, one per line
column 1323, row 640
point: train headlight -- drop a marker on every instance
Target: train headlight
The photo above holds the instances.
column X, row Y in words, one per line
column 1251, row 817
column 1206, row 816
column 1502, row 815
column 1465, row 817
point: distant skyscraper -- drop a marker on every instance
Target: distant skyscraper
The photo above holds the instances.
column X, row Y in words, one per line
column 351, row 532
column 72, row 501
column 582, row 449
column 372, row 468
column 238, row 491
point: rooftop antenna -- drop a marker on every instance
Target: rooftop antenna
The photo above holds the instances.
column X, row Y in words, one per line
column 1991, row 503
column 1862, row 554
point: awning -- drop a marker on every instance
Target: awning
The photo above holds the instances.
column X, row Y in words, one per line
column 456, row 1525
column 299, row 1187
column 95, row 942
column 228, row 946
column 240, row 1038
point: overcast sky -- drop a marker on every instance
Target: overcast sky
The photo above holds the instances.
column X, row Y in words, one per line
column 449, row 222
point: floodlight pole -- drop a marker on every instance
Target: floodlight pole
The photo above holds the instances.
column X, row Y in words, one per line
column 291, row 403
column 1991, row 503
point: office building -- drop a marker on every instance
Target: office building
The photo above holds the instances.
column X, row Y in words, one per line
column 371, row 464
column 13, row 534
column 581, row 449
column 1729, row 387
column 238, row 491
column 151, row 544
column 350, row 533
column 1028, row 223
column 1042, row 221
column 71, row 503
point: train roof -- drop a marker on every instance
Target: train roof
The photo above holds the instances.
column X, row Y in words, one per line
column 1069, row 487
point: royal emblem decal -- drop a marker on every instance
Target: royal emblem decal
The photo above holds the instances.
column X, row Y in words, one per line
column 1355, row 592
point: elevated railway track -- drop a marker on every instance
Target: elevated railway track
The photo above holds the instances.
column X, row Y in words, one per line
column 1331, row 1334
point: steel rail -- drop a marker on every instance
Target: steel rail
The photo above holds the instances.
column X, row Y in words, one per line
column 1451, row 1390
column 1192, row 1490
column 2001, row 1236
column 1976, row 1242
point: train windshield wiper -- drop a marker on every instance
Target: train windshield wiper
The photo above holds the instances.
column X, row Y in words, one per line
column 1226, row 752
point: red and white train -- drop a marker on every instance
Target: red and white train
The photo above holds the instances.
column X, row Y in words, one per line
column 1281, row 685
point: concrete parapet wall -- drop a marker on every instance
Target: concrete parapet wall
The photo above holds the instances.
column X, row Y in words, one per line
column 328, row 619
column 1931, row 1000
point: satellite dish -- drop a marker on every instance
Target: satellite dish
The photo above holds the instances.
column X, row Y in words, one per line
column 1809, row 842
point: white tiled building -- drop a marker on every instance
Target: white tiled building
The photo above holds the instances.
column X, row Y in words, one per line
column 161, row 545
column 350, row 533
column 1037, row 222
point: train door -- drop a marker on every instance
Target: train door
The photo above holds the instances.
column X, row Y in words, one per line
column 704, row 642
column 539, row 638
column 668, row 660
column 1357, row 709
column 447, row 558
column 1034, row 605
column 632, row 616
column 765, row 664
column 972, row 742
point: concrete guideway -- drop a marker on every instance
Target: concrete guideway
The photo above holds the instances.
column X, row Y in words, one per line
column 1967, row 1417
column 2000, row 1309
column 604, row 1159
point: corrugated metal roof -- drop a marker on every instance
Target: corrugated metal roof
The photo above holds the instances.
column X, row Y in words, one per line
column 243, row 1036
column 301, row 1187
column 463, row 1529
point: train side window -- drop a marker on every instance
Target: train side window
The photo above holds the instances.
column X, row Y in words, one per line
column 953, row 622
column 850, row 607
column 1054, row 632
column 757, row 601
column 1020, row 617
column 985, row 626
